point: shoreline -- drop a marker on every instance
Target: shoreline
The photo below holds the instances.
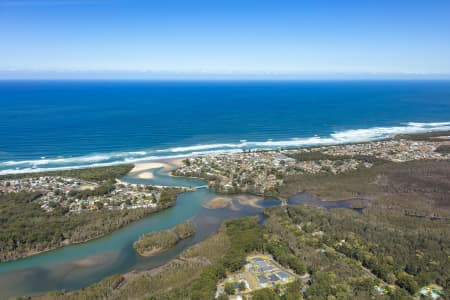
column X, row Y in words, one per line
column 145, row 170
column 173, row 163
column 441, row 134
column 326, row 201
column 67, row 244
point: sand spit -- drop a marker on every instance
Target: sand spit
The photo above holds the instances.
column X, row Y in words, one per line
column 145, row 175
column 249, row 200
column 145, row 170
column 224, row 201
column 221, row 202
column 141, row 167
column 218, row 202
column 178, row 162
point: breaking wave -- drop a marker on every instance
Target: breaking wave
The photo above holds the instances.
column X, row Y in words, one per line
column 108, row 159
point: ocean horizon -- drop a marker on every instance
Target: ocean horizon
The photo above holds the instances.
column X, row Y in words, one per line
column 53, row 125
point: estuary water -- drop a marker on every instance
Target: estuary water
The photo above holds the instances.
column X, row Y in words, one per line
column 77, row 266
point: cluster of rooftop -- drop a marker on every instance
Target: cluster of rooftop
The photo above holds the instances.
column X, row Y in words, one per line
column 393, row 150
column 49, row 183
column 76, row 195
column 261, row 271
column 261, row 172
column 258, row 172
column 332, row 166
column 254, row 172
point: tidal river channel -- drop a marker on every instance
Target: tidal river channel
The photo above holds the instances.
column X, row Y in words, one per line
column 77, row 266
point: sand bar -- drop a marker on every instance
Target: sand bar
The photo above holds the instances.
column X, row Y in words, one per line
column 152, row 252
column 178, row 162
column 145, row 175
column 249, row 200
column 218, row 202
column 140, row 167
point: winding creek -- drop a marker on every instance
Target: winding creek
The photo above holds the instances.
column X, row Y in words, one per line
column 77, row 266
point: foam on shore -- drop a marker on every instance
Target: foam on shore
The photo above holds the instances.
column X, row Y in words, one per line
column 134, row 157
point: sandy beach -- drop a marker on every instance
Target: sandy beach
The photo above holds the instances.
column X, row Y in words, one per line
column 145, row 170
column 141, row 167
column 145, row 175
column 178, row 162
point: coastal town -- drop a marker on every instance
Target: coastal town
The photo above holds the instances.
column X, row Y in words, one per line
column 252, row 171
column 392, row 150
column 258, row 172
column 77, row 195
column 261, row 172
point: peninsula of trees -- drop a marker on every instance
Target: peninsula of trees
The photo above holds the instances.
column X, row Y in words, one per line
column 156, row 242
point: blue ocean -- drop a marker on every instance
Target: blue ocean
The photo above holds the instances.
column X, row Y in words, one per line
column 51, row 125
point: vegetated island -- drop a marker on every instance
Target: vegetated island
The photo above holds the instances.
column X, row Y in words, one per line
column 397, row 248
column 156, row 242
column 47, row 210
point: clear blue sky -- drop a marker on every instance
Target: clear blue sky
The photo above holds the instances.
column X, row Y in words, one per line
column 224, row 36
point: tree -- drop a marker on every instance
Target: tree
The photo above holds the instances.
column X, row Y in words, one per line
column 187, row 162
column 229, row 288
column 265, row 294
column 407, row 282
column 293, row 292
column 399, row 294
column 222, row 297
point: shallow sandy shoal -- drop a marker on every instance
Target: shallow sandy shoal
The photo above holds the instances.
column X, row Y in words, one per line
column 140, row 167
column 249, row 200
column 218, row 202
column 145, row 175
